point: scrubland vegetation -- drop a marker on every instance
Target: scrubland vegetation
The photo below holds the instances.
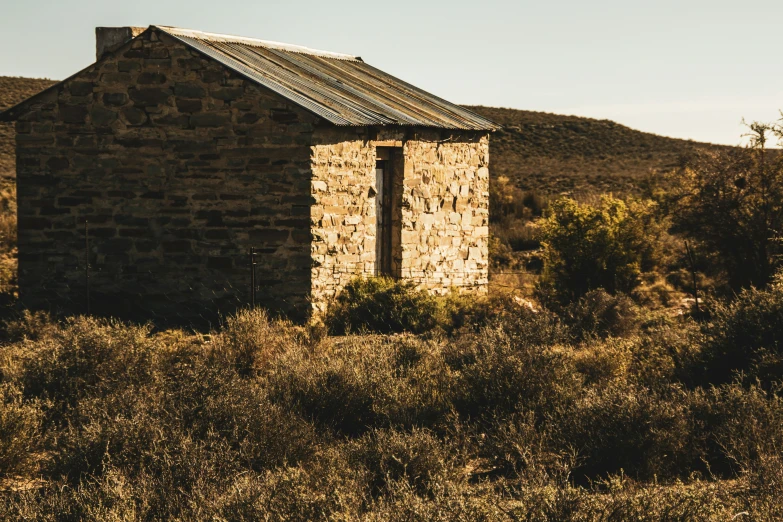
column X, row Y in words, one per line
column 600, row 390
column 517, row 415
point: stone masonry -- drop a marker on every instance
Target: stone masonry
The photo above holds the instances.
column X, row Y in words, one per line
column 445, row 210
column 179, row 166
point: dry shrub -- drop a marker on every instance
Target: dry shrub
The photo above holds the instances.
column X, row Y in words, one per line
column 327, row 490
column 657, row 294
column 522, row 449
column 86, row 356
column 7, row 217
column 600, row 314
column 263, row 434
column 744, row 433
column 510, row 367
column 619, row 499
column 8, row 241
column 746, row 335
column 20, row 437
column 416, row 458
column 363, row 382
column 451, row 502
column 604, row 362
column 265, row 421
column 29, row 326
column 660, row 356
column 624, row 427
column 250, row 339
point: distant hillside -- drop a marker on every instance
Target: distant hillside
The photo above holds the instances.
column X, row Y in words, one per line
column 547, row 152
column 12, row 91
column 552, row 153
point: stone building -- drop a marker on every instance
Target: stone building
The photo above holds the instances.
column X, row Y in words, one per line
column 145, row 179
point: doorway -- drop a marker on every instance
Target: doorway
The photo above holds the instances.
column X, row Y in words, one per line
column 388, row 206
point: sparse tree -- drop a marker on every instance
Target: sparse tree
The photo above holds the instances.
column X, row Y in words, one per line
column 732, row 202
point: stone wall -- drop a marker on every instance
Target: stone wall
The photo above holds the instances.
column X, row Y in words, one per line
column 445, row 228
column 343, row 212
column 445, row 209
column 179, row 166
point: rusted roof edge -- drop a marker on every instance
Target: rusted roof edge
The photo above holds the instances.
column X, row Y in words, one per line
column 254, row 42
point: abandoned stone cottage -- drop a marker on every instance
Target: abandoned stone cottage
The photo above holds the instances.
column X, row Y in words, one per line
column 145, row 179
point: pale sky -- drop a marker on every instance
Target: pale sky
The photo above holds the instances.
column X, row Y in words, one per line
column 688, row 68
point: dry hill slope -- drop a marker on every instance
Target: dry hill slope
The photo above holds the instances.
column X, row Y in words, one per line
column 546, row 152
column 552, row 153
column 12, row 91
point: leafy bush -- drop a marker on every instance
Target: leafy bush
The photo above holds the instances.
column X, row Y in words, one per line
column 382, row 305
column 606, row 245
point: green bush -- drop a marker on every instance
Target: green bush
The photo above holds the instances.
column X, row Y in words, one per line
column 606, row 245
column 382, row 305
column 385, row 305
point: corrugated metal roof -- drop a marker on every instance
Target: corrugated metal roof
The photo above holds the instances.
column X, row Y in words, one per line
column 340, row 88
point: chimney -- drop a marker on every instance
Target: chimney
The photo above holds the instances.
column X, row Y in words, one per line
column 108, row 39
